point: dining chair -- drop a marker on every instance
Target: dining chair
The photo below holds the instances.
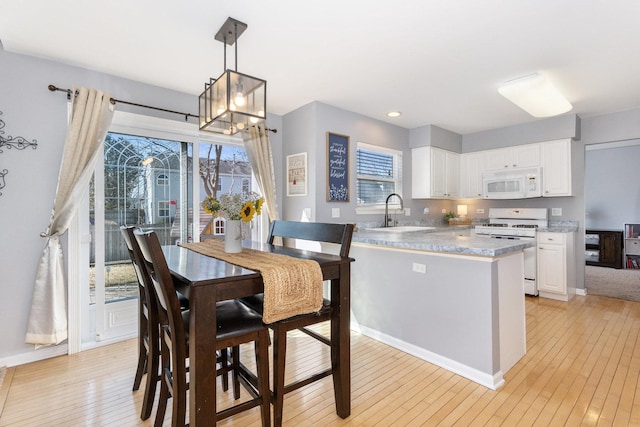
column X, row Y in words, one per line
column 149, row 328
column 236, row 324
column 339, row 234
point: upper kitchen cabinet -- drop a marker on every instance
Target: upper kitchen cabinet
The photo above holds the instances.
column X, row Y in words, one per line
column 556, row 168
column 519, row 156
column 472, row 165
column 435, row 173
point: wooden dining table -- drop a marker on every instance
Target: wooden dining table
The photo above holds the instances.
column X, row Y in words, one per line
column 205, row 280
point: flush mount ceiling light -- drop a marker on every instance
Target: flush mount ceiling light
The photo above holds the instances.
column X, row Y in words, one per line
column 234, row 101
column 394, row 114
column 535, row 95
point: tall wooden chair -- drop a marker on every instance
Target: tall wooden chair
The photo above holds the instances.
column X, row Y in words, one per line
column 148, row 327
column 339, row 234
column 236, row 324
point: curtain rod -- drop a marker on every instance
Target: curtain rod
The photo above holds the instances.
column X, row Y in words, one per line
column 113, row 101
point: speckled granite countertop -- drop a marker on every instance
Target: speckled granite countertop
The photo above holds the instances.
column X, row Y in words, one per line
column 447, row 239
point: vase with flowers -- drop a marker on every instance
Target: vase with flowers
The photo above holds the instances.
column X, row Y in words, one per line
column 236, row 209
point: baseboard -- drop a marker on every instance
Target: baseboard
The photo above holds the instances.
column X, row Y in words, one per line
column 493, row 382
column 581, row 291
column 35, row 355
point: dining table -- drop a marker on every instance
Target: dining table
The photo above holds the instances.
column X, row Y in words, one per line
column 205, row 280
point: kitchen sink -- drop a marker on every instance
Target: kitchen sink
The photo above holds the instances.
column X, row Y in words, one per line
column 402, row 228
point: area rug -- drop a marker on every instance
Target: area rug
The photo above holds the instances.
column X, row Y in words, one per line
column 613, row 283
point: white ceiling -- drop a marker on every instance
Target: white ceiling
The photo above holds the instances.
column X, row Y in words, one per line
column 439, row 62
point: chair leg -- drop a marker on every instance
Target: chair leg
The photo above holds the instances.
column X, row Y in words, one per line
column 279, row 362
column 235, row 363
column 142, row 364
column 162, row 402
column 153, row 360
column 224, row 363
column 262, row 367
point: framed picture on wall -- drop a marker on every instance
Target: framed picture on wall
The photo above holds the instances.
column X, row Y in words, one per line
column 337, row 167
column 297, row 174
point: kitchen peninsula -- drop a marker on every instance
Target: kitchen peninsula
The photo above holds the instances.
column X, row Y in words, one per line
column 443, row 294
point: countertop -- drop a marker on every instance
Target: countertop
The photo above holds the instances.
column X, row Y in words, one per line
column 447, row 239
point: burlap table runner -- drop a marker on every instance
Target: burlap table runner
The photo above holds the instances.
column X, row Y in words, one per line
column 292, row 286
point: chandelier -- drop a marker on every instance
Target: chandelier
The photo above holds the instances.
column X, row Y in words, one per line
column 234, row 101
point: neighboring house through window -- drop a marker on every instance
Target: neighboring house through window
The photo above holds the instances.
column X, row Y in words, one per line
column 162, row 179
column 163, row 208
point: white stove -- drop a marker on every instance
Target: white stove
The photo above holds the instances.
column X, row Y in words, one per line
column 508, row 222
column 517, row 224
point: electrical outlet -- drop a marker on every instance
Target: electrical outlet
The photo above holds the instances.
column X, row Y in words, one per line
column 419, row 268
column 444, row 211
column 335, row 212
column 425, row 211
column 407, row 211
column 479, row 211
column 556, row 211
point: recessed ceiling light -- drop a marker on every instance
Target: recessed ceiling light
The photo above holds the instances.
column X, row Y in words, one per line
column 535, row 95
column 394, row 114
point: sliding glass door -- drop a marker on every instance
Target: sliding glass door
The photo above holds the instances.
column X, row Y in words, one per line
column 140, row 181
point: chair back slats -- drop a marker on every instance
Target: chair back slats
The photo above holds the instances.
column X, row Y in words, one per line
column 144, row 283
column 168, row 304
column 340, row 234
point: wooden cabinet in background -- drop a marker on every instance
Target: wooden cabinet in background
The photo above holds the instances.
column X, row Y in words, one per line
column 603, row 248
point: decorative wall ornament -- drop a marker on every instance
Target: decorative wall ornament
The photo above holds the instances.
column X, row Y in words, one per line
column 11, row 142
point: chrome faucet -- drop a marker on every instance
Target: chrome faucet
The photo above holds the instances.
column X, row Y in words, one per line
column 387, row 218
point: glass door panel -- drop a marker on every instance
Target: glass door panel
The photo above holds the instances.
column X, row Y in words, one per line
column 143, row 182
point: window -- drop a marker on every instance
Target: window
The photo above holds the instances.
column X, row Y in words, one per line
column 218, row 226
column 163, row 209
column 246, row 185
column 162, row 179
column 379, row 173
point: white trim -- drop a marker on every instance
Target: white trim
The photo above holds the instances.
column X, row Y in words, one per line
column 493, row 382
column 35, row 356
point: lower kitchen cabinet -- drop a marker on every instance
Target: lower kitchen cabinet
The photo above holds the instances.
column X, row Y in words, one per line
column 556, row 265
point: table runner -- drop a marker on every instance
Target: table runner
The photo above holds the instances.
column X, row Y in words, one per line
column 292, row 286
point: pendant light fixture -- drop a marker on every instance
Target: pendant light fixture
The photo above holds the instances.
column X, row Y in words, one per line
column 234, row 101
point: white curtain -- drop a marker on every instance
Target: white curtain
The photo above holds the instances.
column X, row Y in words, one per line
column 91, row 116
column 258, row 147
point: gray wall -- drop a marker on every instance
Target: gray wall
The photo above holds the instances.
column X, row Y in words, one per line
column 305, row 131
column 612, row 193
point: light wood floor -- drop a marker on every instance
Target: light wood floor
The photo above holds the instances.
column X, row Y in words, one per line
column 581, row 369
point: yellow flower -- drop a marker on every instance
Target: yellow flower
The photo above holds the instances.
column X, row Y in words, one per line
column 247, row 211
column 259, row 204
column 210, row 205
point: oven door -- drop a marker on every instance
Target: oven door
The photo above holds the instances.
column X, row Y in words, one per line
column 530, row 268
column 530, row 264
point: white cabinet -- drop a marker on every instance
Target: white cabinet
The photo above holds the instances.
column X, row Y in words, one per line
column 556, row 265
column 472, row 165
column 556, row 168
column 435, row 173
column 519, row 156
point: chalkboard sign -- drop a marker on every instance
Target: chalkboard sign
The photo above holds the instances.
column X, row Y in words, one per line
column 337, row 167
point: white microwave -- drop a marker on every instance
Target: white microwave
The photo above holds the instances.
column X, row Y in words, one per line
column 512, row 184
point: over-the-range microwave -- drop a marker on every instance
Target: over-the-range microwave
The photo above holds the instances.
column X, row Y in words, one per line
column 521, row 183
